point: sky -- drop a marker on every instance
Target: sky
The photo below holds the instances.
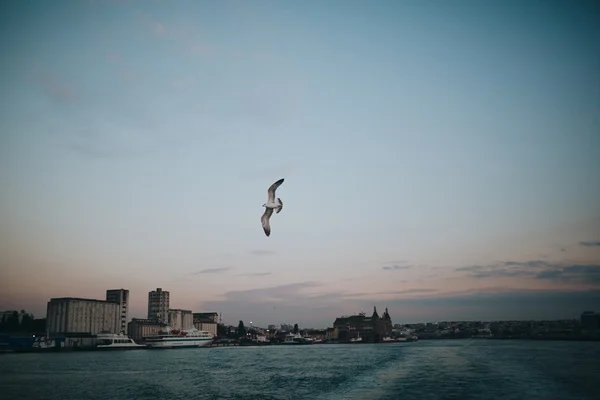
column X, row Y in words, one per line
column 441, row 159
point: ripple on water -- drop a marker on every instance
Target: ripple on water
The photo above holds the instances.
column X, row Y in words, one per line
column 425, row 370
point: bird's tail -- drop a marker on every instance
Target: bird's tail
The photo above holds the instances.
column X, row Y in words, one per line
column 280, row 206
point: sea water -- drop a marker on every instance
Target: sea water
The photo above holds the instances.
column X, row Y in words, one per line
column 435, row 369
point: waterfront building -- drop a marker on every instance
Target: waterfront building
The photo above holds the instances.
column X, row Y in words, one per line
column 206, row 322
column 121, row 297
column 368, row 328
column 180, row 319
column 213, row 316
column 139, row 328
column 158, row 305
column 332, row 334
column 590, row 321
column 77, row 315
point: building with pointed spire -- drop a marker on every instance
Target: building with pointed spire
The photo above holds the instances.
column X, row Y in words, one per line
column 385, row 324
column 375, row 315
column 371, row 328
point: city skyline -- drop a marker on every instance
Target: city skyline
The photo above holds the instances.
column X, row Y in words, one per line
column 565, row 304
column 438, row 159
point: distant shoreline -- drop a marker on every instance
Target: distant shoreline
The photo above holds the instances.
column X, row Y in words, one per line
column 24, row 350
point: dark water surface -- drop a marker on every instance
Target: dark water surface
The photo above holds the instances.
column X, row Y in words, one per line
column 455, row 369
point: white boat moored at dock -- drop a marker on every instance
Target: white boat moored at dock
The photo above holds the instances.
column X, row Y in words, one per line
column 179, row 338
column 110, row 341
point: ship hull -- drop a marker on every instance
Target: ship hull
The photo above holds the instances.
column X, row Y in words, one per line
column 178, row 343
column 115, row 348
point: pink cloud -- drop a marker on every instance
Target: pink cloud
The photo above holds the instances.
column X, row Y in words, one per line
column 156, row 27
column 160, row 29
column 56, row 88
column 181, row 35
column 115, row 57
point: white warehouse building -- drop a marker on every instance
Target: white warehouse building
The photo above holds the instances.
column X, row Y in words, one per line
column 75, row 315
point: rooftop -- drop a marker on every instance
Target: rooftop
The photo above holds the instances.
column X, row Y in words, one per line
column 56, row 299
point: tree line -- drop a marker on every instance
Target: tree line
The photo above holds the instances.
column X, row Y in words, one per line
column 241, row 331
column 22, row 322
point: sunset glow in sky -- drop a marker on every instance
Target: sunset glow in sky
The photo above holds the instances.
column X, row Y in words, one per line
column 440, row 158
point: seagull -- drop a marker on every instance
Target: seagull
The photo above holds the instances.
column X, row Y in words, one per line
column 271, row 205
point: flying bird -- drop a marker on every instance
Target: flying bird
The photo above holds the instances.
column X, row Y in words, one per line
column 270, row 205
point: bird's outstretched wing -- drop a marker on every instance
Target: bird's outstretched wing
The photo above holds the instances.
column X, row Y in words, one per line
column 272, row 190
column 265, row 220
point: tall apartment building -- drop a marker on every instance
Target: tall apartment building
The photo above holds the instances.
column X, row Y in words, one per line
column 158, row 305
column 121, row 297
column 75, row 315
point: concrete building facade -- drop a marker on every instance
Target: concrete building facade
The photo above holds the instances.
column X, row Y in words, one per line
column 76, row 315
column 140, row 328
column 158, row 305
column 121, row 297
column 180, row 319
column 206, row 322
column 212, row 316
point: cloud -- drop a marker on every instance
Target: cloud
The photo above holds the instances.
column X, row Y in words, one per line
column 502, row 304
column 283, row 293
column 256, row 274
column 565, row 273
column 536, row 263
column 374, row 295
column 470, row 268
column 160, row 29
column 185, row 36
column 411, row 291
column 504, row 269
column 156, row 27
column 500, row 273
column 53, row 86
column 294, row 303
column 481, row 271
column 397, row 262
column 586, row 274
column 97, row 144
column 123, row 137
column 115, row 57
column 289, row 303
column 395, row 267
column 262, row 252
column 590, row 244
column 528, row 264
column 212, row 271
column 201, row 49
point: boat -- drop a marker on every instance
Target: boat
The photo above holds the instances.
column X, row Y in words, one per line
column 113, row 341
column 389, row 339
column 179, row 338
column 295, row 339
column 356, row 339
